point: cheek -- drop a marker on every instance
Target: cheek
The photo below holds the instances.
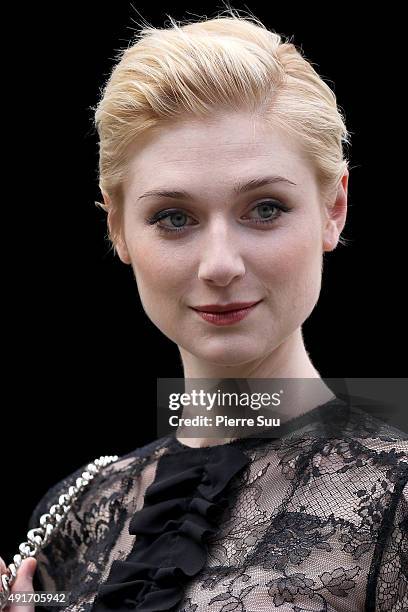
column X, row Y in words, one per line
column 159, row 268
column 160, row 273
column 290, row 268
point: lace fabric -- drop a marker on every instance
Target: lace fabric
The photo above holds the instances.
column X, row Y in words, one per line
column 316, row 520
column 181, row 509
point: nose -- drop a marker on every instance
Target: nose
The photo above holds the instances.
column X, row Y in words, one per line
column 220, row 259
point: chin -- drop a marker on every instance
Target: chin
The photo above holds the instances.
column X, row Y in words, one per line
column 232, row 355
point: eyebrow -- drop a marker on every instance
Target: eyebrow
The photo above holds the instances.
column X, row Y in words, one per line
column 238, row 189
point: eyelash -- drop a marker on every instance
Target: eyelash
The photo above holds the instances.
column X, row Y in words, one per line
column 164, row 214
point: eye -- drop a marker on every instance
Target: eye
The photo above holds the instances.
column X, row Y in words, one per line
column 269, row 211
column 175, row 216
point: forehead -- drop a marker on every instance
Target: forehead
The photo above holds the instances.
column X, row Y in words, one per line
column 216, row 150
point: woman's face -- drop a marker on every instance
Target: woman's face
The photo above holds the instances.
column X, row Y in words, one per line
column 218, row 245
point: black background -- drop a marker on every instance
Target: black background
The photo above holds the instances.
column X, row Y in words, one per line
column 80, row 357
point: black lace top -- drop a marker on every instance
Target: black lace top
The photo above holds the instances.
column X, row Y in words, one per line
column 316, row 520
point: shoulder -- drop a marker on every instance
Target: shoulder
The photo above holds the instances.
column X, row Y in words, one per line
column 386, row 443
column 124, row 462
column 148, row 450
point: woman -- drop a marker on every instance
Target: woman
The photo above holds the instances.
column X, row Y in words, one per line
column 224, row 182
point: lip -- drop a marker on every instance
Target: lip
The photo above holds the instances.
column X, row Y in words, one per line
column 224, row 307
column 227, row 317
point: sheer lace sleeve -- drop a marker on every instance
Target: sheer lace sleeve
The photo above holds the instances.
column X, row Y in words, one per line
column 392, row 554
column 94, row 532
column 44, row 578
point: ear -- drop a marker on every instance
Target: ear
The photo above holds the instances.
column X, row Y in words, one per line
column 335, row 218
column 116, row 235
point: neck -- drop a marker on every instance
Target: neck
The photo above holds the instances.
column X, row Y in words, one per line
column 288, row 360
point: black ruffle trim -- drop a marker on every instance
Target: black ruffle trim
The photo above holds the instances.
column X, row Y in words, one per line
column 181, row 510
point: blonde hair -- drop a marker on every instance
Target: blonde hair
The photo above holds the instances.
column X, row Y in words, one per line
column 197, row 68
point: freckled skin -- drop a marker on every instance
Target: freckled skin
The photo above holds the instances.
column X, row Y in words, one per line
column 223, row 256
